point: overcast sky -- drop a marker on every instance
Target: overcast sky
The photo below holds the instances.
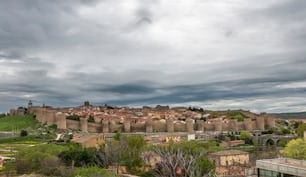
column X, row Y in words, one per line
column 217, row 54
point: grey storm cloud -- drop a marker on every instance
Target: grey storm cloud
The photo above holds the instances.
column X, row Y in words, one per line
column 214, row 54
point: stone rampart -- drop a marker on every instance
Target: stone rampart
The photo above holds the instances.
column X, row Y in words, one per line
column 61, row 121
column 180, row 126
column 170, row 125
column 105, row 126
column 52, row 116
column 139, row 127
column 73, row 124
column 84, row 124
column 260, row 123
column 94, row 127
column 209, row 127
column 159, row 126
column 149, row 126
column 115, row 127
column 127, row 126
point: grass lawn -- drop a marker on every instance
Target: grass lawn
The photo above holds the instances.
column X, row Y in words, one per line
column 31, row 139
column 17, row 123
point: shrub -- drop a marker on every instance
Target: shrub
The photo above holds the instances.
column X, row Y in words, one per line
column 91, row 119
column 74, row 117
column 23, row 133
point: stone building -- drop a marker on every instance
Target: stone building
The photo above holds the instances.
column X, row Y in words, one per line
column 283, row 167
column 230, row 162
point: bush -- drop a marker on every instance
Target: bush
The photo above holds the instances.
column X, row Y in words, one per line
column 40, row 159
column 11, row 123
column 91, row 119
column 23, row 133
column 74, row 117
column 236, row 115
column 92, row 171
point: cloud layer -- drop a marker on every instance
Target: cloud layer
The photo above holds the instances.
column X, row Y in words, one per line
column 214, row 54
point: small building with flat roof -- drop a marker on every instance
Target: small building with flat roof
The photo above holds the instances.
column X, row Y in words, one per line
column 281, row 167
column 230, row 162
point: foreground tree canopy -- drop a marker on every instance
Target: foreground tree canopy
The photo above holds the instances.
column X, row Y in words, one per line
column 184, row 159
column 295, row 149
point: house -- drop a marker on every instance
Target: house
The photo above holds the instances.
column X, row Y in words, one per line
column 230, row 162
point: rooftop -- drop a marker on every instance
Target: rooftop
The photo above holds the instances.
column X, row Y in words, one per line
column 287, row 161
column 284, row 165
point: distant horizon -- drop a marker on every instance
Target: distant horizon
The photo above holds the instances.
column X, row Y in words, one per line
column 151, row 106
column 213, row 54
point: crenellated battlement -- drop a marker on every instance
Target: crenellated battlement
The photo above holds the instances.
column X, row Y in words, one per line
column 162, row 120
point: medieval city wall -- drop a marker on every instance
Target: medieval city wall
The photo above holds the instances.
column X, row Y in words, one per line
column 73, row 124
column 138, row 127
column 94, row 127
column 180, row 127
column 159, row 126
column 50, row 117
column 114, row 127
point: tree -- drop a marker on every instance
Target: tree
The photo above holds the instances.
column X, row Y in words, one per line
column 34, row 159
column 295, row 149
column 74, row 117
column 300, row 130
column 246, row 136
column 122, row 150
column 23, row 133
column 78, row 156
column 185, row 159
column 91, row 119
column 2, row 115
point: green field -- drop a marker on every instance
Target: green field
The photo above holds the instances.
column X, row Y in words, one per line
column 30, row 139
column 17, row 123
column 236, row 115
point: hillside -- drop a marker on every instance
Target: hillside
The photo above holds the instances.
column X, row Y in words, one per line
column 17, row 123
column 291, row 115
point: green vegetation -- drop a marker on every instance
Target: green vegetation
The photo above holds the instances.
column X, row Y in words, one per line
column 26, row 139
column 215, row 114
column 2, row 115
column 300, row 130
column 199, row 146
column 129, row 151
column 78, row 156
column 196, row 109
column 74, row 117
column 295, row 149
column 246, row 136
column 92, row 171
column 236, row 115
column 245, row 147
column 91, row 119
column 184, row 159
column 16, row 123
column 23, row 133
column 40, row 159
column 53, row 127
column 50, row 160
column 123, row 150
